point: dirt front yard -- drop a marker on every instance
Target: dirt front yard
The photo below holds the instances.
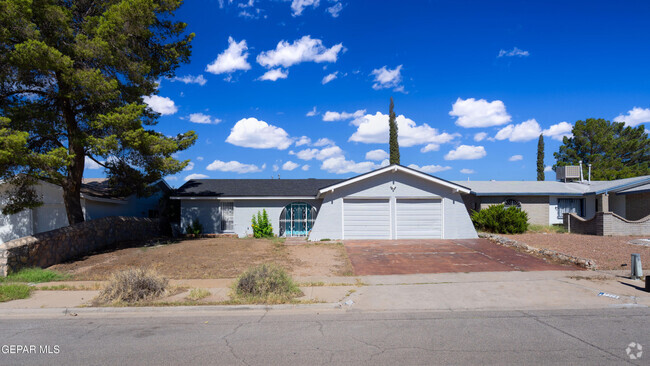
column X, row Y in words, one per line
column 213, row 258
column 609, row 252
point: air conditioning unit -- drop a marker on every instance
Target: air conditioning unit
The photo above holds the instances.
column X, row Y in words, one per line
column 567, row 173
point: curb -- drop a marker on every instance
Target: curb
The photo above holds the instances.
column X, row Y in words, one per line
column 581, row 262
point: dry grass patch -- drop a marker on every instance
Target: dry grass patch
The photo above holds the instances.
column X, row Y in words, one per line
column 133, row 285
column 197, row 294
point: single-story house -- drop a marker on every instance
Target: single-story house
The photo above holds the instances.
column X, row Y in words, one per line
column 97, row 201
column 547, row 201
column 393, row 202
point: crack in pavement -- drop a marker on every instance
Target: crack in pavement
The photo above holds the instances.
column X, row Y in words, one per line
column 230, row 347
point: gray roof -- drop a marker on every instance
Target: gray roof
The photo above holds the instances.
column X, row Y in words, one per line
column 254, row 187
column 637, row 189
column 544, row 188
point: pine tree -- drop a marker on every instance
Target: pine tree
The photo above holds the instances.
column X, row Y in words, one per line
column 540, row 158
column 392, row 127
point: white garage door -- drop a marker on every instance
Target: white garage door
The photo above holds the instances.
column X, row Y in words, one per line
column 418, row 219
column 366, row 219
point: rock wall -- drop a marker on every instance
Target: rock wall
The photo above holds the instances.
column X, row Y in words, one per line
column 56, row 246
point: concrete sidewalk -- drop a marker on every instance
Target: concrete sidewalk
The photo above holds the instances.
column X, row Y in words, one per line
column 418, row 292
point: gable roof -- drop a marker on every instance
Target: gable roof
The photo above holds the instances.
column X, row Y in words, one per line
column 395, row 168
column 253, row 187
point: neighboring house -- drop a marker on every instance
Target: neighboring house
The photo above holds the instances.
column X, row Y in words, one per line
column 96, row 202
column 547, row 201
column 394, row 202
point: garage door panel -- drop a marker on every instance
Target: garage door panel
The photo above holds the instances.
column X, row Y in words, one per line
column 418, row 219
column 366, row 219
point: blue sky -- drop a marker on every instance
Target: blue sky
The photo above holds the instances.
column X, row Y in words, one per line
column 474, row 82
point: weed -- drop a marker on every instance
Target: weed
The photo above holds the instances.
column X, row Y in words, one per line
column 133, row 285
column 35, row 275
column 14, row 291
column 198, row 294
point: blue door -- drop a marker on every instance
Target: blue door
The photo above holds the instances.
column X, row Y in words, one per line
column 298, row 219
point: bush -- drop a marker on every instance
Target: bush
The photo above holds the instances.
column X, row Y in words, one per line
column 501, row 220
column 195, row 228
column 261, row 226
column 14, row 291
column 132, row 285
column 266, row 283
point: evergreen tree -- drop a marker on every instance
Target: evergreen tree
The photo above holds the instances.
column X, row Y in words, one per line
column 392, row 140
column 72, row 79
column 540, row 158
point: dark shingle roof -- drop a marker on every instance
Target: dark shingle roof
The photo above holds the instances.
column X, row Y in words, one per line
column 254, row 187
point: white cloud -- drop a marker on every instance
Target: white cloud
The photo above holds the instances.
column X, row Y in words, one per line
column 230, row 60
column 196, row 176
column 339, row 165
column 304, row 140
column 189, row 79
column 305, row 167
column 199, row 158
column 189, row 167
column 525, row 131
column 329, row 77
column 297, row 6
column 275, row 74
column 430, row 168
column 466, row 152
column 513, row 52
column 330, row 116
column 250, row 132
column 558, row 131
column 304, row 49
column 172, row 178
column 467, row 171
column 289, row 165
column 480, row 136
column 324, row 141
column 162, row 105
column 388, row 78
column 377, row 155
column 319, row 154
column 276, row 167
column 203, row 118
column 312, row 112
column 374, row 129
column 234, row 166
column 335, row 9
column 430, row 147
column 634, row 117
column 479, row 113
column 91, row 164
column 516, row 158
column 548, row 168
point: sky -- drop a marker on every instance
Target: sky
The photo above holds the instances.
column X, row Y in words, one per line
column 301, row 88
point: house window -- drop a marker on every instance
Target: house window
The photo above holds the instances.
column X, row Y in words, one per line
column 227, row 217
column 511, row 202
column 569, row 205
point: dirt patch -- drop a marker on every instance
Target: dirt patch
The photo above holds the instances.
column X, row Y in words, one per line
column 609, row 252
column 211, row 258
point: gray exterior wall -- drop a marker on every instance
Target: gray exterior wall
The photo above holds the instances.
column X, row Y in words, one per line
column 208, row 212
column 637, row 206
column 456, row 221
column 537, row 207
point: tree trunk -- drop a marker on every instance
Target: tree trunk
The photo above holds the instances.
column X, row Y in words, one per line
column 72, row 185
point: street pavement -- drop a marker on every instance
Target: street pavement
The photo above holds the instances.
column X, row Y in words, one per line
column 311, row 336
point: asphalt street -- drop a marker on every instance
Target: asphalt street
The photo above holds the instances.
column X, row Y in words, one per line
column 260, row 337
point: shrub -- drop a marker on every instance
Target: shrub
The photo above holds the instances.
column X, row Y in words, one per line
column 132, row 285
column 14, row 291
column 195, row 228
column 501, row 220
column 261, row 226
column 266, row 283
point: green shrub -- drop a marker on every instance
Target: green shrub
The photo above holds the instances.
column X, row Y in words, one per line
column 14, row 291
column 266, row 283
column 133, row 285
column 35, row 275
column 195, row 228
column 501, row 220
column 261, row 226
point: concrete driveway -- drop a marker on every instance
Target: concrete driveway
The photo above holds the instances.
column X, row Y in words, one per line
column 386, row 257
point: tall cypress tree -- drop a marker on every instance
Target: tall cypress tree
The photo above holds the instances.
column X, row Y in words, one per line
column 392, row 140
column 540, row 158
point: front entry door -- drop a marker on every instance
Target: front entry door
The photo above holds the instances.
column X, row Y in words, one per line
column 298, row 216
column 227, row 217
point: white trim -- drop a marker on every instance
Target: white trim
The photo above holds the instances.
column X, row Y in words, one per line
column 342, row 219
column 431, row 197
column 394, row 168
column 442, row 218
column 235, row 198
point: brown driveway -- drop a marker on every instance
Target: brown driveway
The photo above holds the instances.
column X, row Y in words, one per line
column 383, row 257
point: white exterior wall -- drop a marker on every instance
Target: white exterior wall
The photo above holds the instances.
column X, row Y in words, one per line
column 14, row 226
column 456, row 222
column 208, row 212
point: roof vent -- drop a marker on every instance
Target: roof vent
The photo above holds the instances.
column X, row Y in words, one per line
column 568, row 173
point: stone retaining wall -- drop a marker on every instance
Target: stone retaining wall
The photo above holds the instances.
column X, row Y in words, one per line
column 56, row 246
column 606, row 224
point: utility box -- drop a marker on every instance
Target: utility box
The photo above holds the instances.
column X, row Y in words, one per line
column 636, row 272
column 567, row 173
